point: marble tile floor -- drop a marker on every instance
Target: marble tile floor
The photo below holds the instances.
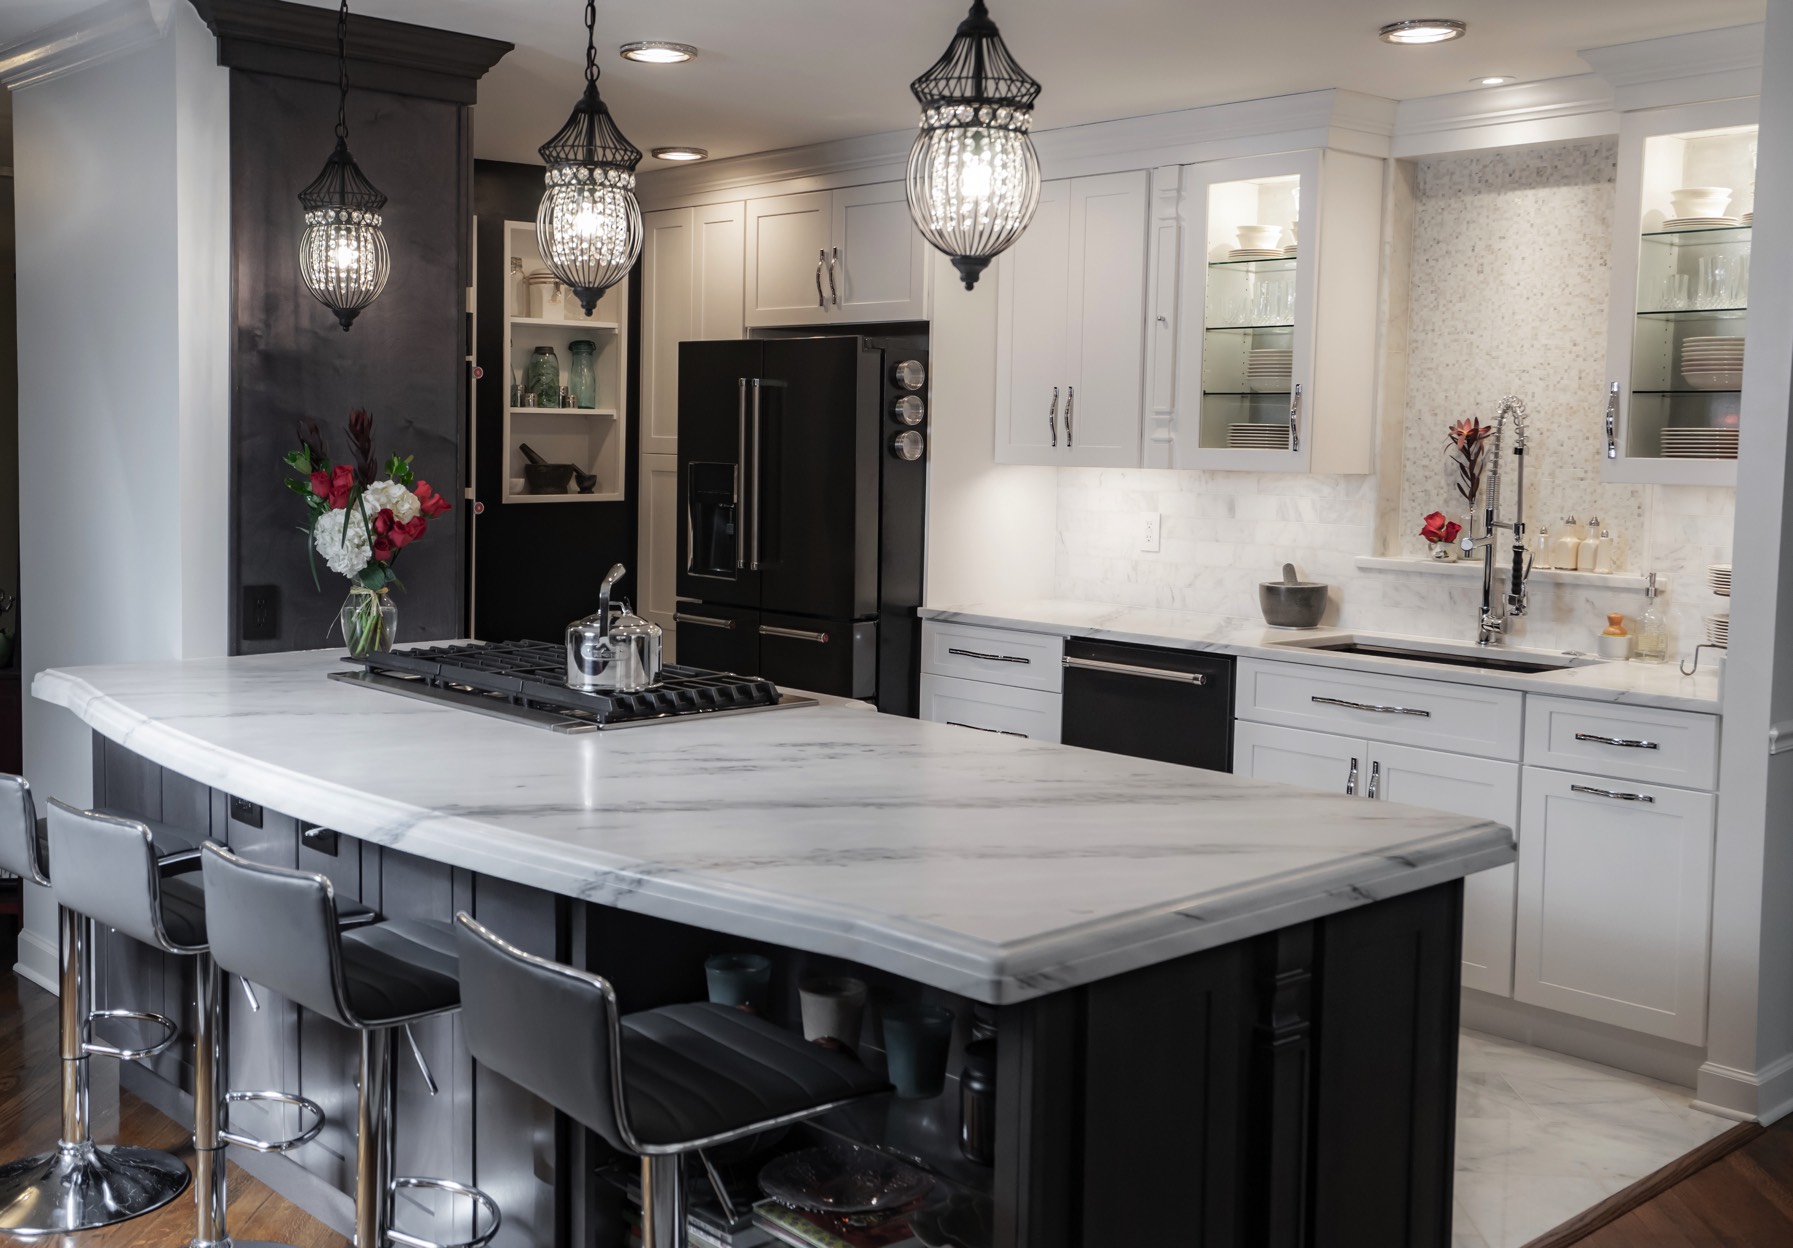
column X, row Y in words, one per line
column 1541, row 1137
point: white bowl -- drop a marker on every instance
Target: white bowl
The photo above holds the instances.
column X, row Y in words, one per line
column 1701, row 201
column 1254, row 237
column 1714, row 381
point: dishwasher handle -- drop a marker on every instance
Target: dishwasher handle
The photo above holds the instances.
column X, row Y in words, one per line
column 1133, row 669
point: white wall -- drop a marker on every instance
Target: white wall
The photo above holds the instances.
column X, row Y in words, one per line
column 122, row 207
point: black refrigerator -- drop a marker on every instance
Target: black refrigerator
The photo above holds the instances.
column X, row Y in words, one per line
column 801, row 491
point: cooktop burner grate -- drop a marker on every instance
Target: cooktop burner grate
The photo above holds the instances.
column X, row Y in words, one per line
column 530, row 676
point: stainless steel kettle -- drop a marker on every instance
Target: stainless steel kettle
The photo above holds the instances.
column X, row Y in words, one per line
column 614, row 651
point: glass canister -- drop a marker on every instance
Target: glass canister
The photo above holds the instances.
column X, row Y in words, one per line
column 582, row 373
column 543, row 379
column 519, row 289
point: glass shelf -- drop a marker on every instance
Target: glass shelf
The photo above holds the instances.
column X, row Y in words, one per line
column 1689, row 390
column 1696, row 314
column 1258, row 264
column 1723, row 233
column 1286, row 326
column 1245, row 394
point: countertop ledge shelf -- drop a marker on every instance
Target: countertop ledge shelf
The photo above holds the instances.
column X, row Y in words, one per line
column 1472, row 569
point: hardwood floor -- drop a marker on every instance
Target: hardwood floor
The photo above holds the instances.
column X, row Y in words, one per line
column 29, row 1106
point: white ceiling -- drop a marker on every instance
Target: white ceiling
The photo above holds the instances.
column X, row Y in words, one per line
column 780, row 73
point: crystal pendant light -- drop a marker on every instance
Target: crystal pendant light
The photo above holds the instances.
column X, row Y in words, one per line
column 974, row 178
column 589, row 225
column 342, row 254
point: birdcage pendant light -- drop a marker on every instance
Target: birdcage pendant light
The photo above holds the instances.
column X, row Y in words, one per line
column 343, row 256
column 589, row 225
column 974, row 177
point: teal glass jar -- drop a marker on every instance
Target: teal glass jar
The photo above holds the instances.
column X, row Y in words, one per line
column 582, row 373
column 543, row 379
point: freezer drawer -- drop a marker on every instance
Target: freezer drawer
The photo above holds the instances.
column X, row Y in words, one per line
column 719, row 637
column 822, row 656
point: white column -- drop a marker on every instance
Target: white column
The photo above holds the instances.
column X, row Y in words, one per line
column 1749, row 1067
column 121, row 180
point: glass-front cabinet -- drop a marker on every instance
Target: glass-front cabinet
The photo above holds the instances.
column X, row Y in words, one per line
column 1262, row 251
column 1686, row 196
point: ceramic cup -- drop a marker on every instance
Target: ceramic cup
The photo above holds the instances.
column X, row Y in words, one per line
column 1256, row 237
column 833, row 1008
column 916, row 1041
column 739, row 979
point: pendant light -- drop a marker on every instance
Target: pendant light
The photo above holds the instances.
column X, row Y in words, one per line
column 342, row 254
column 974, row 178
column 589, row 225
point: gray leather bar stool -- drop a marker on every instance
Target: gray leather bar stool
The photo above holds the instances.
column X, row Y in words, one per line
column 107, row 870
column 82, row 1185
column 281, row 928
column 658, row 1083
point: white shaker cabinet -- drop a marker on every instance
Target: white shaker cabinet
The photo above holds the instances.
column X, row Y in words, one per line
column 1309, row 760
column 1615, row 893
column 657, row 545
column 692, row 264
column 1070, row 346
column 835, row 257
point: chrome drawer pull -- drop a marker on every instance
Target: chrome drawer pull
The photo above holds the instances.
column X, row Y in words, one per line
column 1351, row 780
column 1001, row 732
column 993, row 658
column 1370, row 706
column 684, row 618
column 1129, row 669
column 1375, row 780
column 1626, row 742
column 1591, row 791
column 795, row 634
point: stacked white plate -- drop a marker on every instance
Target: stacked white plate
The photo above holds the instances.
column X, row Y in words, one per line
column 1255, row 253
column 1718, row 576
column 1748, row 218
column 1289, row 250
column 1699, row 223
column 1718, row 629
column 1258, row 437
column 1713, row 363
column 1270, row 365
column 1699, row 443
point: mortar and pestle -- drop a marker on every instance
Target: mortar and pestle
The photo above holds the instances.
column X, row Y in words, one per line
column 1292, row 603
column 543, row 477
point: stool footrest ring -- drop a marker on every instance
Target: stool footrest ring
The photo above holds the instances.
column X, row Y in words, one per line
column 304, row 1106
column 96, row 1049
column 480, row 1200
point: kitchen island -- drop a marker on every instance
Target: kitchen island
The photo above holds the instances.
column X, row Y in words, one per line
column 1226, row 1011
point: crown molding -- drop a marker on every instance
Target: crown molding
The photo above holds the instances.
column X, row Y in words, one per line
column 1552, row 111
column 299, row 41
column 1682, row 69
column 818, row 166
column 91, row 37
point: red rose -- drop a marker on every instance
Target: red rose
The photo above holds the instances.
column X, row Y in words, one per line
column 1451, row 530
column 432, row 503
column 341, row 483
column 413, row 528
column 1436, row 526
column 320, row 484
column 383, row 548
column 383, row 523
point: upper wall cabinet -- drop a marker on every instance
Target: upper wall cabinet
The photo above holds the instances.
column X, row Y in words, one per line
column 1071, row 327
column 838, row 257
column 1276, row 352
column 691, row 263
column 1680, row 293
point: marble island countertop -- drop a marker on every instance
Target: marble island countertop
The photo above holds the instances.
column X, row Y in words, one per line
column 990, row 866
column 1635, row 684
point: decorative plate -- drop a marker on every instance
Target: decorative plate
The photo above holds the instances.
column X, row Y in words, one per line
column 965, row 1221
column 842, row 1179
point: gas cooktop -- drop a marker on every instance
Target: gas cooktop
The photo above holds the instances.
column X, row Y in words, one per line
column 526, row 680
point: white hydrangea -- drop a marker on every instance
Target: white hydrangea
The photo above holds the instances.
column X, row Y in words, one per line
column 383, row 494
column 346, row 557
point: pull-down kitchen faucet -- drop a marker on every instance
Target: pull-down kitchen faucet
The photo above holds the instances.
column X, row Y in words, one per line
column 1494, row 618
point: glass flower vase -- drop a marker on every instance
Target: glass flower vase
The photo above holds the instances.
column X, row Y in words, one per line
column 369, row 621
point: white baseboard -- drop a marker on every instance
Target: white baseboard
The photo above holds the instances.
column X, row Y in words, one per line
column 39, row 961
column 1650, row 1056
column 1764, row 1096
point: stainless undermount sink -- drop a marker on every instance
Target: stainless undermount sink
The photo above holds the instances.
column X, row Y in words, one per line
column 1445, row 653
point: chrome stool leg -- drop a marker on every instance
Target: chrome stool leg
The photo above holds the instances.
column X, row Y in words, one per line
column 663, row 1201
column 82, row 1185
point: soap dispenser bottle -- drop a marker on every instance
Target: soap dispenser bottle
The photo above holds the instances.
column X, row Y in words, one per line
column 1604, row 557
column 1650, row 638
column 1589, row 548
column 1567, row 547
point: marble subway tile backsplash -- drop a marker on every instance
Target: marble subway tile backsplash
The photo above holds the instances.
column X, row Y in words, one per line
column 1507, row 290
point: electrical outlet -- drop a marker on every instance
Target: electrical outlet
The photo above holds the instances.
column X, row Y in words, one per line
column 261, row 613
column 1151, row 531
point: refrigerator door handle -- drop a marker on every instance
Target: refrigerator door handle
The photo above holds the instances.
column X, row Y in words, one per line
column 740, row 471
column 753, row 505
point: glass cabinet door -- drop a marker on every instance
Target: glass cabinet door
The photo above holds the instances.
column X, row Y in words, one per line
column 1681, row 291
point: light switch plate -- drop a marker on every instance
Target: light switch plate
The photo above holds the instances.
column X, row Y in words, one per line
column 1151, row 531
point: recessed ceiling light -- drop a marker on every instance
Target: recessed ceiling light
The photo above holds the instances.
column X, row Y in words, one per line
column 1493, row 80
column 1423, row 30
column 658, row 52
column 680, row 153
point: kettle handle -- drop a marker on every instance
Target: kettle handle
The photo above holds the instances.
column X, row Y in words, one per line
column 611, row 578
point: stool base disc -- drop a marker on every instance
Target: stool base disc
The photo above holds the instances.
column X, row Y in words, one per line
column 234, row 1242
column 85, row 1186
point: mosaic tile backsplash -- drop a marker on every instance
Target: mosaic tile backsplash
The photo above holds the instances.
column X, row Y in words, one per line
column 1507, row 285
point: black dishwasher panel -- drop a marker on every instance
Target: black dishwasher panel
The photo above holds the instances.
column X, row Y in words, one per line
column 1175, row 706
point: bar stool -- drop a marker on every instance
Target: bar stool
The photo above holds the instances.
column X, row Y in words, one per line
column 280, row 928
column 82, row 1185
column 659, row 1083
column 108, row 871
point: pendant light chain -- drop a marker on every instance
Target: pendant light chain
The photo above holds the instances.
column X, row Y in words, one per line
column 591, row 42
column 342, row 72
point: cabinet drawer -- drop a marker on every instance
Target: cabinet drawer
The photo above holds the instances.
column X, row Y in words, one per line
column 1402, row 710
column 991, row 708
column 1631, row 742
column 999, row 656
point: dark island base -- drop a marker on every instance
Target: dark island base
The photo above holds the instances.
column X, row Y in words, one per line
column 1297, row 1088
